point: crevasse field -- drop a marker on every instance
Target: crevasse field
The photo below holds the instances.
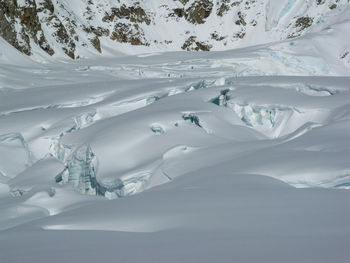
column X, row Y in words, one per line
column 231, row 156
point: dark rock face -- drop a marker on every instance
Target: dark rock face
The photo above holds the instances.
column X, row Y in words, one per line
column 301, row 24
column 132, row 34
column 192, row 44
column 133, row 13
column 13, row 16
column 199, row 11
column 128, row 32
column 304, row 22
column 195, row 13
column 10, row 15
column 96, row 43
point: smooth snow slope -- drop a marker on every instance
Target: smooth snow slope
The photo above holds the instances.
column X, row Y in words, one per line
column 206, row 216
column 232, row 156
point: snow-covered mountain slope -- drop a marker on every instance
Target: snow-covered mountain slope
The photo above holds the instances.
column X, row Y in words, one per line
column 83, row 28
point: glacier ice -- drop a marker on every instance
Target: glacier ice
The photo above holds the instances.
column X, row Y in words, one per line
column 158, row 128
column 192, row 118
column 84, row 120
column 250, row 126
column 256, row 116
column 81, row 169
column 200, row 85
column 128, row 186
column 18, row 192
column 269, row 119
column 222, row 99
column 58, row 149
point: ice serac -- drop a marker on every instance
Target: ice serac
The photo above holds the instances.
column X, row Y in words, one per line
column 269, row 120
column 81, row 169
column 127, row 187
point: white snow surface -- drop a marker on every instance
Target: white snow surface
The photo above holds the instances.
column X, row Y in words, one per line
column 231, row 156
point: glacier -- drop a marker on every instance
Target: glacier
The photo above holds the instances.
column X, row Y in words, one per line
column 233, row 155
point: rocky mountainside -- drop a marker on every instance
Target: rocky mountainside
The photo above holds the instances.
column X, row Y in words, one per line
column 81, row 28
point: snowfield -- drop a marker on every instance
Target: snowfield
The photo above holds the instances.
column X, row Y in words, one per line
column 231, row 156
